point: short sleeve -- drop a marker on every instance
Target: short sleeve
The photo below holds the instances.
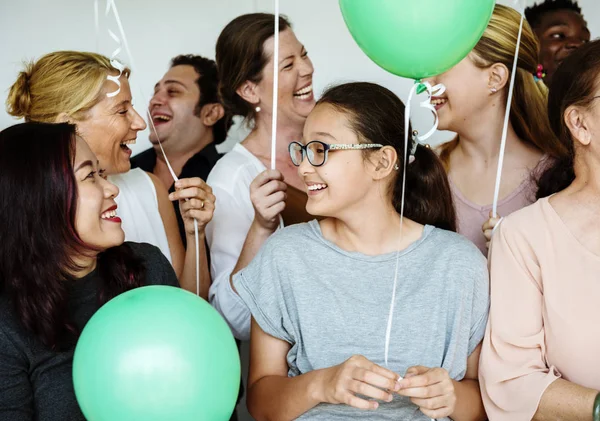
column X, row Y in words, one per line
column 16, row 394
column 481, row 301
column 513, row 372
column 264, row 287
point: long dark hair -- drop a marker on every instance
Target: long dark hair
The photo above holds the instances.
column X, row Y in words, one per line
column 38, row 204
column 240, row 57
column 377, row 116
column 573, row 83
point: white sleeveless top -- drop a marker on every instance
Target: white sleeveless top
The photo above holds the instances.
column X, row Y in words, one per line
column 138, row 209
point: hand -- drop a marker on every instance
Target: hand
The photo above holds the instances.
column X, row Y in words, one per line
column 196, row 201
column 489, row 227
column 268, row 196
column 358, row 375
column 431, row 389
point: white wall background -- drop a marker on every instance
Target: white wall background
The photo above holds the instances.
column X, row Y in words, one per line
column 158, row 30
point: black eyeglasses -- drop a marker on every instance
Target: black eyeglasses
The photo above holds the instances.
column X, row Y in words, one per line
column 316, row 151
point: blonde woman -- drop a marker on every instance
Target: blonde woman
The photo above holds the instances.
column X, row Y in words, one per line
column 85, row 89
column 474, row 107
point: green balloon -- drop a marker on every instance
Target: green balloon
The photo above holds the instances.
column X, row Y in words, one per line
column 156, row 353
column 416, row 38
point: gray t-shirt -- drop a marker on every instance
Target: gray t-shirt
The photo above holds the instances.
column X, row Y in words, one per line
column 330, row 304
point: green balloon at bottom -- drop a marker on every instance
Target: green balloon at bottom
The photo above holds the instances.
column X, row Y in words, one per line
column 156, row 353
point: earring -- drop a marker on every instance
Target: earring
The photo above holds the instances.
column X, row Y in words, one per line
column 257, row 109
column 396, row 167
column 493, row 90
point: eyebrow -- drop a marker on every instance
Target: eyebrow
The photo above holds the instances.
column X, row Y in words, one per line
column 84, row 164
column 325, row 134
column 122, row 103
column 302, row 50
column 171, row 82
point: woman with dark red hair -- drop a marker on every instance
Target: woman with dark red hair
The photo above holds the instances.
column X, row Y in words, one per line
column 62, row 256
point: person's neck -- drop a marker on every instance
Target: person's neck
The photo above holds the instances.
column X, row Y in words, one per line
column 177, row 155
column 372, row 230
column 259, row 140
column 480, row 143
column 587, row 177
column 85, row 264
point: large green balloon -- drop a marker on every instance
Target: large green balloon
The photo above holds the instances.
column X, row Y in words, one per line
column 416, row 38
column 156, row 353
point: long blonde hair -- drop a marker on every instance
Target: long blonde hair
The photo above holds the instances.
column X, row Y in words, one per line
column 528, row 111
column 67, row 82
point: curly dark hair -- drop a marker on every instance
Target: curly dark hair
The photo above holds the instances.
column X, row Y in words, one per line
column 38, row 203
column 208, row 83
column 534, row 13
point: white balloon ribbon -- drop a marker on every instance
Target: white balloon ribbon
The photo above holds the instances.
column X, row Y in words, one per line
column 122, row 43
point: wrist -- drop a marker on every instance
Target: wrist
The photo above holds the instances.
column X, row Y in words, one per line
column 315, row 387
column 260, row 229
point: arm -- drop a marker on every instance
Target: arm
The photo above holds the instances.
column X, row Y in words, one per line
column 564, row 400
column 439, row 396
column 272, row 395
column 234, row 237
column 513, row 372
column 167, row 214
column 196, row 202
column 16, row 395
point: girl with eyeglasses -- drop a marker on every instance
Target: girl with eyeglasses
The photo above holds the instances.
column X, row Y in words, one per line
column 362, row 315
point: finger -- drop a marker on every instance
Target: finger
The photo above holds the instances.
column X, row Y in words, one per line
column 184, row 183
column 273, row 199
column 436, row 414
column 415, row 370
column 375, row 379
column 425, row 392
column 420, row 378
column 196, row 204
column 356, row 402
column 490, row 223
column 275, row 210
column 369, row 391
column 488, row 234
column 432, row 403
column 192, row 192
column 266, row 176
column 271, row 187
column 201, row 216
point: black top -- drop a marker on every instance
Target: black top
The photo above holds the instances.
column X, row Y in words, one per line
column 198, row 165
column 36, row 382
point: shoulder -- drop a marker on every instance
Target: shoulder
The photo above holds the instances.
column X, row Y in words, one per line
column 525, row 222
column 459, row 252
column 287, row 241
column 236, row 167
column 158, row 268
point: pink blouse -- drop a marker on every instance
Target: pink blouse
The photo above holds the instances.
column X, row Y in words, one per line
column 544, row 313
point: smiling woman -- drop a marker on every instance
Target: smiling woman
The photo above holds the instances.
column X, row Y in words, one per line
column 79, row 87
column 251, row 198
column 62, row 256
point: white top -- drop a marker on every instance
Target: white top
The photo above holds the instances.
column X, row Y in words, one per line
column 138, row 209
column 230, row 180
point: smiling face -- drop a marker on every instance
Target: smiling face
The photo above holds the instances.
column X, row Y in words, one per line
column 342, row 182
column 174, row 106
column 559, row 32
column 296, row 99
column 96, row 221
column 110, row 126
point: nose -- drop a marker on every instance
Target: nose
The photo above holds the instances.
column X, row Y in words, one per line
column 305, row 167
column 110, row 190
column 306, row 69
column 137, row 122
column 157, row 99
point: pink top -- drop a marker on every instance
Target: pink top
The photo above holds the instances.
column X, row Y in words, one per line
column 544, row 313
column 471, row 216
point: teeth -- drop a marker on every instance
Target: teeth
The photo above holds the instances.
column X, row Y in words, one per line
column 128, row 142
column 109, row 214
column 314, row 187
column 162, row 117
column 304, row 92
column 438, row 101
